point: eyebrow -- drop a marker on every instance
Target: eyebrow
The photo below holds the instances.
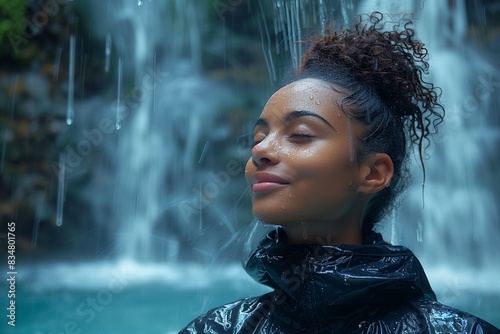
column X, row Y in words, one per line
column 292, row 116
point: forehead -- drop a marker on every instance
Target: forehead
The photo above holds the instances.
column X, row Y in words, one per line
column 303, row 86
column 306, row 94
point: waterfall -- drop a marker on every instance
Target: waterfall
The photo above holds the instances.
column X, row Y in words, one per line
column 165, row 120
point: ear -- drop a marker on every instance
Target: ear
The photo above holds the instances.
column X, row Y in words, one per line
column 376, row 173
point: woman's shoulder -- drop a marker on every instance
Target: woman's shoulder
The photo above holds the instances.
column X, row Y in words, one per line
column 232, row 317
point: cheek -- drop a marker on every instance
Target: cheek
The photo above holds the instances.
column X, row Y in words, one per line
column 326, row 179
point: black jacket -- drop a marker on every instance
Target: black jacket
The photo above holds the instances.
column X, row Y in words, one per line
column 375, row 288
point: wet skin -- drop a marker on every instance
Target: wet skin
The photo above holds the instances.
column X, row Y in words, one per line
column 303, row 171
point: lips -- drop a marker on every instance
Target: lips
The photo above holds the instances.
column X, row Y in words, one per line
column 263, row 181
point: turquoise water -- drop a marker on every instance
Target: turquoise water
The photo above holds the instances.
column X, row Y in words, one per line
column 141, row 309
column 158, row 301
column 121, row 298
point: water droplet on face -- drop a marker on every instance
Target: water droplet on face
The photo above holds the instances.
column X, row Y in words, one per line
column 282, row 207
column 289, row 195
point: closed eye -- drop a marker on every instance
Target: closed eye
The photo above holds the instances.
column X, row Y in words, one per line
column 301, row 137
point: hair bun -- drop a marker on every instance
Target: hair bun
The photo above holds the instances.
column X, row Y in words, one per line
column 392, row 62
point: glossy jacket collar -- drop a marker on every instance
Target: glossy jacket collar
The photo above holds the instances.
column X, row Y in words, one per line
column 316, row 276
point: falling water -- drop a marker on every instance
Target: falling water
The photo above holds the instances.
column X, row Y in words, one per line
column 107, row 52
column 165, row 110
column 204, row 152
column 55, row 71
column 118, row 120
column 36, row 224
column 70, row 114
column 462, row 195
column 60, row 189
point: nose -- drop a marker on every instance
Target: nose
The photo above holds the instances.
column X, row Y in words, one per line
column 265, row 152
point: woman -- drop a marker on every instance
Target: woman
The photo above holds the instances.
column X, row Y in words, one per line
column 329, row 160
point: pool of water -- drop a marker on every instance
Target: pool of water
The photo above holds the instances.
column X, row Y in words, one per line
column 150, row 308
column 127, row 298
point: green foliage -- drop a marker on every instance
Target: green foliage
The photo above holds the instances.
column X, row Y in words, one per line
column 11, row 20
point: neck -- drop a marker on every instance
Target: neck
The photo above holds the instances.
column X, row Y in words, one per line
column 324, row 233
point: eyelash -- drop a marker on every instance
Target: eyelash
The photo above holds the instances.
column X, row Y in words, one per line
column 293, row 135
column 300, row 135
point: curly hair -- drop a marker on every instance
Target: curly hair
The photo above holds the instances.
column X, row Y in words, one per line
column 382, row 71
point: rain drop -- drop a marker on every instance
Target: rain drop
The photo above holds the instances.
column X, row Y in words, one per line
column 420, row 232
column 204, row 152
column 107, row 52
column 118, row 99
column 60, row 190
column 70, row 114
column 311, row 97
column 55, row 70
column 318, row 103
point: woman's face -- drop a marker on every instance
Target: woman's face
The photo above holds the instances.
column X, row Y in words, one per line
column 303, row 167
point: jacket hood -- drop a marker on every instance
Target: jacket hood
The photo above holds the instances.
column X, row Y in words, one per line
column 338, row 276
